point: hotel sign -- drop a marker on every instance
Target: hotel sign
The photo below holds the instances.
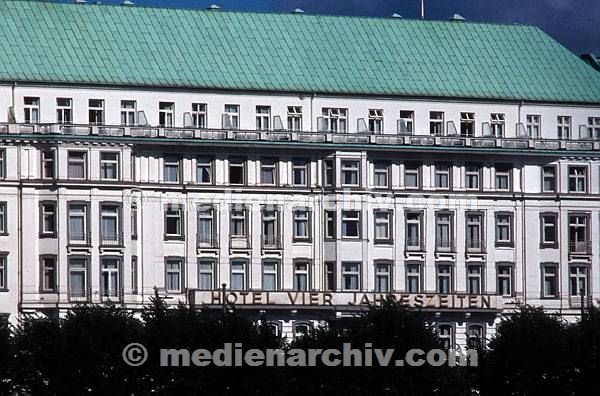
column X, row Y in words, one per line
column 324, row 299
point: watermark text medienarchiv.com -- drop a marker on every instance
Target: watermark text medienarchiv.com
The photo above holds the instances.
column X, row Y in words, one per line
column 234, row 355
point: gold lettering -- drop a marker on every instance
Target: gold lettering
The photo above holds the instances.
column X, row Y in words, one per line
column 443, row 301
column 294, row 298
column 327, row 297
column 486, row 302
column 462, row 300
column 314, row 298
column 431, row 301
column 364, row 300
column 473, row 301
column 418, row 301
column 404, row 300
column 257, row 298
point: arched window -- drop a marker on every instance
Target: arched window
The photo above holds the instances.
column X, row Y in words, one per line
column 446, row 334
column 475, row 336
column 301, row 329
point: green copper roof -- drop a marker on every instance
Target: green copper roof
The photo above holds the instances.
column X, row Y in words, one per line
column 144, row 46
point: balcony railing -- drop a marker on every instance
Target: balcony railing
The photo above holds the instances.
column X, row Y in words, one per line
column 444, row 246
column 79, row 238
column 520, row 142
column 414, row 245
column 111, row 239
column 271, row 242
column 207, row 241
column 576, row 301
column 80, row 295
column 238, row 242
column 584, row 247
column 475, row 246
column 112, row 296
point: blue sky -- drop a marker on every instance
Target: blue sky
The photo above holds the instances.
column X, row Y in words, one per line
column 574, row 23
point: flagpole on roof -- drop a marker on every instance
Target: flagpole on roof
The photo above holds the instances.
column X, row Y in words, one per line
column 422, row 9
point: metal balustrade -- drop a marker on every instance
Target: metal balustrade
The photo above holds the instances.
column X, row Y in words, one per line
column 271, row 242
column 476, row 245
column 111, row 239
column 207, row 241
column 79, row 238
column 580, row 247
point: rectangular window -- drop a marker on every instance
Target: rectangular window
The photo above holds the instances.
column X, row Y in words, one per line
column 3, row 273
column 475, row 243
column 533, row 125
column 199, row 115
column 350, row 224
column 48, row 164
column 174, row 222
column 444, row 238
column 329, row 276
column 376, row 121
column 110, row 278
column 206, row 226
column 109, row 166
column 166, row 114
column 564, row 127
column 383, row 226
column 472, row 176
column 78, row 278
column 270, row 281
column 336, row 120
column 49, row 272
column 301, row 224
column 579, row 237
column 467, row 124
column 263, row 118
column 128, row 112
column 300, row 172
column 206, row 275
column 436, row 123
column 443, row 176
column 407, row 122
column 204, row 171
column 172, row 169
column 3, row 219
column 497, row 124
column 414, row 221
column 110, row 225
column 578, row 281
column 270, row 228
column 31, row 110
column 294, row 118
column 350, row 173
column 134, row 219
column 413, row 278
column 173, row 275
column 412, row 175
column 504, row 229
column 444, row 279
column 78, row 223
column 96, row 111
column 237, row 172
column 503, row 177
column 382, row 277
column 593, row 127
column 549, row 179
column 330, row 224
column 505, row 280
column 239, row 276
column 64, row 110
column 268, row 172
column 474, row 279
column 48, row 216
column 549, row 281
column 301, row 276
column 2, row 163
column 350, row 276
column 231, row 117
column 549, row 229
column 238, row 227
column 577, row 179
column 134, row 275
column 328, row 173
column 381, row 174
column 77, row 165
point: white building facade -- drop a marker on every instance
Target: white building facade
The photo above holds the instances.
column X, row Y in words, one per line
column 297, row 206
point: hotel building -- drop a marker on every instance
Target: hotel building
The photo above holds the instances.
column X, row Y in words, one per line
column 311, row 164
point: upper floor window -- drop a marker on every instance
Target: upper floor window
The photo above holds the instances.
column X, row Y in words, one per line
column 237, row 171
column 204, row 171
column 329, row 276
column 577, row 179
column 96, row 111
column 350, row 276
column 64, row 110
column 579, row 235
column 503, row 177
column 497, row 124
column 383, row 226
column 412, row 175
column 593, row 126
column 263, row 118
column 301, row 224
column 407, row 122
column 231, row 117
column 474, row 238
column 443, row 175
column 128, row 112
column 328, row 173
column 336, row 120
column 206, row 226
column 301, row 276
column 414, row 280
column 444, row 279
column 3, row 219
column 31, row 110
column 166, row 114
column 300, row 172
column 350, row 173
column 444, row 238
column 270, row 227
column 381, row 174
column 268, row 172
column 350, row 224
column 563, row 127
column 48, row 218
column 549, row 179
column 467, row 124
column 505, row 280
column 436, row 123
column 173, row 275
column 78, row 223
column 414, row 226
column 382, row 277
column 294, row 118
column 199, row 115
column 549, row 229
column 48, row 276
column 504, row 229
column 172, row 171
column 48, row 164
column 376, row 121
column 549, row 281
column 533, row 125
column 174, row 222
column 578, row 280
column 110, row 224
column 474, row 279
column 330, row 224
column 472, row 176
column 270, row 280
column 239, row 223
column 77, row 165
column 239, row 275
column 109, row 166
column 2, row 163
column 206, row 275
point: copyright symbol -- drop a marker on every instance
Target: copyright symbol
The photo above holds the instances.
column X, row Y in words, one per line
column 135, row 354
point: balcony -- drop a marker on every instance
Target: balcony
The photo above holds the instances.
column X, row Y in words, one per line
column 575, row 302
column 111, row 296
column 79, row 238
column 80, row 296
column 207, row 241
column 111, row 239
column 239, row 242
column 444, row 246
column 271, row 242
column 584, row 247
column 475, row 246
column 414, row 245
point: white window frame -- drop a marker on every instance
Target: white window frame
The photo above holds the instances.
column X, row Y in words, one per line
column 79, row 162
column 204, row 163
column 302, row 271
column 467, row 124
column 294, row 118
column 175, row 212
column 171, row 162
column 239, row 268
column 381, row 172
column 497, row 124
column 199, row 115
column 270, row 268
column 233, row 112
column 563, row 127
column 351, row 217
column 107, row 163
column 128, row 112
column 173, row 267
column 593, row 127
column 578, row 179
column 534, row 125
column 350, row 171
column 31, row 110
column 414, row 273
column 263, row 118
column 64, row 110
column 206, row 270
column 166, row 114
column 436, row 123
column 408, row 116
column 336, row 119
column 96, row 111
column 351, row 278
column 376, row 121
